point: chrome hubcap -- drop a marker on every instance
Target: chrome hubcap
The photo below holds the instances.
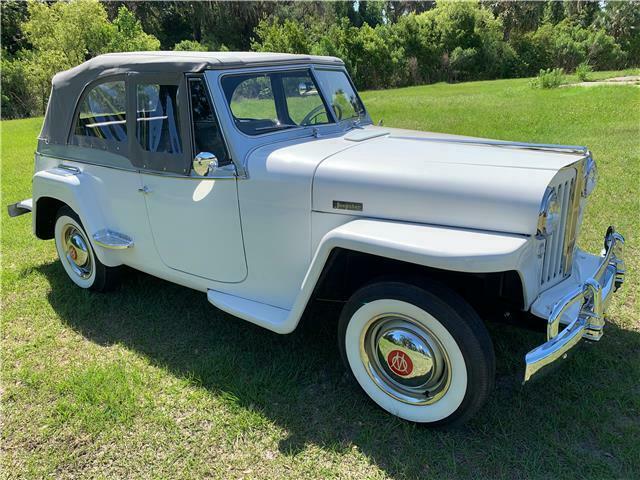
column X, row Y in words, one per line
column 76, row 251
column 405, row 359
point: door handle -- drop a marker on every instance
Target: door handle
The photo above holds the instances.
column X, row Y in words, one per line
column 144, row 190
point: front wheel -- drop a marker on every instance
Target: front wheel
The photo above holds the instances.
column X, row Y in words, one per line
column 422, row 354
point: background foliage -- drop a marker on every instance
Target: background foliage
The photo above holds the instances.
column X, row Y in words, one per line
column 384, row 43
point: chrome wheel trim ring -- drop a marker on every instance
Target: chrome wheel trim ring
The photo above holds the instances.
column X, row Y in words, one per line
column 76, row 251
column 427, row 368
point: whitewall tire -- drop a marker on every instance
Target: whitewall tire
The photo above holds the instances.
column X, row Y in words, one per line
column 77, row 255
column 421, row 354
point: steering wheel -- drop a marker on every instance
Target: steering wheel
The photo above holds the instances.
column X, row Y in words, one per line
column 337, row 109
column 313, row 115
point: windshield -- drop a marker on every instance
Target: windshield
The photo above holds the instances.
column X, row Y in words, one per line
column 266, row 102
column 341, row 95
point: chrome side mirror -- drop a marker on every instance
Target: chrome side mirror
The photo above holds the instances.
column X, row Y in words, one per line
column 205, row 164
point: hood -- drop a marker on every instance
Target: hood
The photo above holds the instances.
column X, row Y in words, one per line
column 406, row 175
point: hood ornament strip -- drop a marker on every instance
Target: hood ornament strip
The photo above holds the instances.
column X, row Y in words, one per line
column 575, row 149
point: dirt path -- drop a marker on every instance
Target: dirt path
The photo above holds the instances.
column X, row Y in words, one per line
column 628, row 80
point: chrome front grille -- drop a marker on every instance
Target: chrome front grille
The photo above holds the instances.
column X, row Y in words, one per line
column 559, row 245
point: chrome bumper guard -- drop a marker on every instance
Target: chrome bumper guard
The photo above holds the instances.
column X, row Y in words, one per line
column 593, row 296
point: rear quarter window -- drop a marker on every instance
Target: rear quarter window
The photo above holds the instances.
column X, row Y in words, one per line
column 102, row 113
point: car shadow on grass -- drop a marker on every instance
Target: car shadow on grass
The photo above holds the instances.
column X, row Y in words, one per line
column 298, row 382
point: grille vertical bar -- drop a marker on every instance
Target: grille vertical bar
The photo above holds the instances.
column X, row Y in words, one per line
column 553, row 267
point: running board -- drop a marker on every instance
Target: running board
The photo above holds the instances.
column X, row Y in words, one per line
column 262, row 314
column 112, row 240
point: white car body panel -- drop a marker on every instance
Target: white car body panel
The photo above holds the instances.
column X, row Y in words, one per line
column 104, row 198
column 436, row 247
column 402, row 178
column 196, row 225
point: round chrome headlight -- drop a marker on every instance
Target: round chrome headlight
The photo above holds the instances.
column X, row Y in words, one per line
column 549, row 216
column 590, row 176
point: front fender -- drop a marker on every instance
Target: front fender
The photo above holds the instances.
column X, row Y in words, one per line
column 444, row 248
column 438, row 247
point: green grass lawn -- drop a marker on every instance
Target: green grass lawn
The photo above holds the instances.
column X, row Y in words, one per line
column 152, row 381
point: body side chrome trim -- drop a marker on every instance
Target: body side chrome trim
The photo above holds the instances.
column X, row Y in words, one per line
column 84, row 162
column 224, row 176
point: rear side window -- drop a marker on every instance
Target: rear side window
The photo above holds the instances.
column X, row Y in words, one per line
column 157, row 126
column 102, row 113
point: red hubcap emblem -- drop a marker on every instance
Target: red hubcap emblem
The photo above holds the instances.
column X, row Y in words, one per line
column 400, row 363
column 73, row 253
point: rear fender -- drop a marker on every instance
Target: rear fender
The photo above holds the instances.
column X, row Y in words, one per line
column 73, row 188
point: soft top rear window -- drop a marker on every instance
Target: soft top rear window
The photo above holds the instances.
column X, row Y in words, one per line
column 102, row 112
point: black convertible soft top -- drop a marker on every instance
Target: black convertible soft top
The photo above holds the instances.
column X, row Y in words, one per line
column 67, row 86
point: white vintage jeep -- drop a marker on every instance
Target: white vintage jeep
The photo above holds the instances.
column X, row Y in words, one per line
column 260, row 180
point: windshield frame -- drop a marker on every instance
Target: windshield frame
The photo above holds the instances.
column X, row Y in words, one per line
column 363, row 118
column 334, row 122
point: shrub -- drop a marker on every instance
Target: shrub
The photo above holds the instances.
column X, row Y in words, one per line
column 549, row 78
column 567, row 45
column 189, row 46
column 286, row 37
column 18, row 99
column 582, row 71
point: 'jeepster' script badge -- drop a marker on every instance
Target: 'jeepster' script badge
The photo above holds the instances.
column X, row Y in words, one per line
column 340, row 205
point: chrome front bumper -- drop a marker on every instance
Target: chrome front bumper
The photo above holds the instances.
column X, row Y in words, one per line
column 585, row 305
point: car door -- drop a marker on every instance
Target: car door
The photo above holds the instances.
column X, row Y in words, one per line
column 195, row 219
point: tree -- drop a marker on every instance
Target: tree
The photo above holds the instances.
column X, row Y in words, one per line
column 286, row 37
column 13, row 14
column 395, row 10
column 621, row 20
column 518, row 17
column 189, row 46
column 127, row 34
column 65, row 34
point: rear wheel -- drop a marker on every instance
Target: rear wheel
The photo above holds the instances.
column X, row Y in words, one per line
column 422, row 354
column 77, row 255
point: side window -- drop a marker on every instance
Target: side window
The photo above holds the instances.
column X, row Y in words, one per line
column 303, row 101
column 253, row 105
column 268, row 102
column 157, row 127
column 206, row 131
column 102, row 113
